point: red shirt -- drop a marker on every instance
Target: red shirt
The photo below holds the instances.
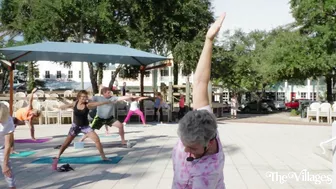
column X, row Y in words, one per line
column 181, row 102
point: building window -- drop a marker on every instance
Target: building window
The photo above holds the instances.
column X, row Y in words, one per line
column 58, row 74
column 303, row 95
column 70, row 74
column 281, row 95
column 47, row 74
column 79, row 74
column 147, row 73
column 164, row 72
column 313, row 96
column 225, row 96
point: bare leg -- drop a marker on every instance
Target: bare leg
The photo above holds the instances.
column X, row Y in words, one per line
column 83, row 138
column 94, row 137
column 121, row 131
column 64, row 146
column 107, row 129
column 12, row 147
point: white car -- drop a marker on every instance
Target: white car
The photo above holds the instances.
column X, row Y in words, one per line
column 280, row 105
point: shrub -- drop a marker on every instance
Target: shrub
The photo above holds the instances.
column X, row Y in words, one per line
column 294, row 112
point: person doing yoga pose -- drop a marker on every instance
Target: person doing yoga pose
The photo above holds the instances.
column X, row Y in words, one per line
column 134, row 108
column 81, row 124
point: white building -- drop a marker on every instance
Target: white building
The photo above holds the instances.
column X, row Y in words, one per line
column 53, row 71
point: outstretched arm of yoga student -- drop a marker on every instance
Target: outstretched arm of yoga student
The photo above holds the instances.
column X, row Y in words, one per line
column 124, row 98
column 67, row 105
column 142, row 98
column 93, row 105
column 202, row 73
column 31, row 98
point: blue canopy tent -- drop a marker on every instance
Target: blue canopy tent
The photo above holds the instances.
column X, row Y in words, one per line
column 81, row 52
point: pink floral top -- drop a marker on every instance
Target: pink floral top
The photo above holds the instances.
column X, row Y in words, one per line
column 203, row 173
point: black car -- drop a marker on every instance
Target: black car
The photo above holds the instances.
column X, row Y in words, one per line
column 266, row 105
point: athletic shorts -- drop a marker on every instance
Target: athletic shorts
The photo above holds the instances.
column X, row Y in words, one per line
column 10, row 181
column 75, row 130
column 98, row 122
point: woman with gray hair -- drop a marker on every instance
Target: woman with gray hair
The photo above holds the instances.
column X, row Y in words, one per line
column 198, row 158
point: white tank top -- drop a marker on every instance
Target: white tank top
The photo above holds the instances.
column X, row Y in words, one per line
column 134, row 105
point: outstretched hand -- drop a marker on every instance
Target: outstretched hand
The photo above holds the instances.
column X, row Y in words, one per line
column 215, row 27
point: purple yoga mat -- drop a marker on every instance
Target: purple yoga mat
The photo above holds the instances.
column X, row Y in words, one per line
column 41, row 140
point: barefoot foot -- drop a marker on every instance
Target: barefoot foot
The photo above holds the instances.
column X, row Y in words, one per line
column 105, row 159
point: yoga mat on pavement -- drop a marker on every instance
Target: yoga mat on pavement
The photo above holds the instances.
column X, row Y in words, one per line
column 40, row 140
column 22, row 154
column 79, row 160
column 108, row 136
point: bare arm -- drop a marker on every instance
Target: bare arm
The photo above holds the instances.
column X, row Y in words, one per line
column 124, row 98
column 203, row 69
column 31, row 98
column 142, row 98
column 67, row 105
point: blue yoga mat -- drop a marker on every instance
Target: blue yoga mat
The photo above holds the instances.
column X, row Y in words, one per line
column 79, row 160
column 22, row 154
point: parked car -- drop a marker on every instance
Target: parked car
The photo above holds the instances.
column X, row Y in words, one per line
column 280, row 105
column 294, row 104
column 266, row 105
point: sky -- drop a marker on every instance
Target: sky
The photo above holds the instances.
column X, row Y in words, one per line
column 253, row 14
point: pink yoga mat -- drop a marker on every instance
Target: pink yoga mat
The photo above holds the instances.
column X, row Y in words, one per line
column 40, row 140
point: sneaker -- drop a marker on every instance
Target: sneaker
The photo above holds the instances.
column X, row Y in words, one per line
column 54, row 164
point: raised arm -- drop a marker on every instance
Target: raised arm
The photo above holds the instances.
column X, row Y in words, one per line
column 31, row 98
column 203, row 69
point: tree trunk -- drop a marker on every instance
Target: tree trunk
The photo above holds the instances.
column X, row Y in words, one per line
column 100, row 70
column 318, row 89
column 329, row 89
column 114, row 76
column 31, row 80
column 175, row 74
column 142, row 75
column 93, row 77
column 4, row 79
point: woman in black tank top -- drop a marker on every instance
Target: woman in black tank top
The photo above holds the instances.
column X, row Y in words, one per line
column 80, row 124
column 80, row 117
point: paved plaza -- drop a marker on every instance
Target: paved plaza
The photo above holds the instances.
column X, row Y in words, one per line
column 258, row 156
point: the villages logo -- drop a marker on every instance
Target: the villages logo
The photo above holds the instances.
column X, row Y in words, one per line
column 303, row 176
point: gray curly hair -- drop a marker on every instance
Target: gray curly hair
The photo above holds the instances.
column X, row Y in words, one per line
column 197, row 127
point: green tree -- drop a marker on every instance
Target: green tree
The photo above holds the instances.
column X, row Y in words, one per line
column 317, row 22
column 157, row 29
